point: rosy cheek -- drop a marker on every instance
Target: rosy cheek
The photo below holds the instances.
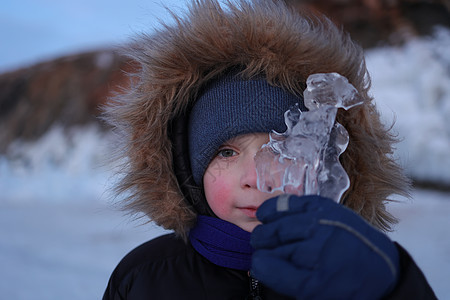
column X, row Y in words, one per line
column 218, row 195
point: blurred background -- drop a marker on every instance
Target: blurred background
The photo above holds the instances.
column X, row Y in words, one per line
column 61, row 232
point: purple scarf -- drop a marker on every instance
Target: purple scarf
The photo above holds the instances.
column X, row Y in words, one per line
column 222, row 243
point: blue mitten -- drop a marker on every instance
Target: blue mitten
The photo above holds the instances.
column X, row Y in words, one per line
column 310, row 247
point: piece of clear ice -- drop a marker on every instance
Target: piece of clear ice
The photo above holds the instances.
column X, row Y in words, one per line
column 304, row 160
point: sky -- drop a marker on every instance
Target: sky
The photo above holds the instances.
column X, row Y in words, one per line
column 34, row 30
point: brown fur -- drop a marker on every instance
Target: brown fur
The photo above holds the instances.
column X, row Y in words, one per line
column 265, row 37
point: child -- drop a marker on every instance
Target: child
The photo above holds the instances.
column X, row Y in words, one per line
column 209, row 90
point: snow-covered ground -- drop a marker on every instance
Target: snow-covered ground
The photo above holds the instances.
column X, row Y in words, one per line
column 63, row 250
column 60, row 237
column 424, row 230
column 68, row 250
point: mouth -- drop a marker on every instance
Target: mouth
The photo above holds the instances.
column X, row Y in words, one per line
column 249, row 211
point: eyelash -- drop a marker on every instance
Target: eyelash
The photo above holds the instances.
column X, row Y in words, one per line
column 221, row 151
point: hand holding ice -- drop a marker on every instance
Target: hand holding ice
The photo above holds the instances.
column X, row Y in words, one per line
column 304, row 160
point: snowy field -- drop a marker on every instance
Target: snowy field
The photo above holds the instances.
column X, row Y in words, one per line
column 61, row 237
column 68, row 250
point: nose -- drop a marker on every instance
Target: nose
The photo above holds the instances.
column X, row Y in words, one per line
column 248, row 173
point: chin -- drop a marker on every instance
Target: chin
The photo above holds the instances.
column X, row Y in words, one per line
column 249, row 226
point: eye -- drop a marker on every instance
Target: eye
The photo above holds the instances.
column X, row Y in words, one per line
column 226, row 153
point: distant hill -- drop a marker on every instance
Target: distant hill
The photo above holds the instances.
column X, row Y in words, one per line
column 68, row 91
column 375, row 22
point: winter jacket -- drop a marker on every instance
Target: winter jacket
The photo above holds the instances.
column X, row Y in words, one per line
column 168, row 268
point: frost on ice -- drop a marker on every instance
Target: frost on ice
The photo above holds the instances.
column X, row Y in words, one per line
column 304, row 160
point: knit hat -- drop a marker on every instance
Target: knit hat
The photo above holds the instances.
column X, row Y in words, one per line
column 230, row 106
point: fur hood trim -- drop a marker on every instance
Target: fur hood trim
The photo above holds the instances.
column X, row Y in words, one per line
column 264, row 37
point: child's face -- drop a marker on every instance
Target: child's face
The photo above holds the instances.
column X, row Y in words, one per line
column 230, row 181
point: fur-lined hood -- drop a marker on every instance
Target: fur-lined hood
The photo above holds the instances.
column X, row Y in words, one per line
column 261, row 37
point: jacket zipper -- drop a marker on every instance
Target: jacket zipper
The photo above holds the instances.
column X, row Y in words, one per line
column 255, row 291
